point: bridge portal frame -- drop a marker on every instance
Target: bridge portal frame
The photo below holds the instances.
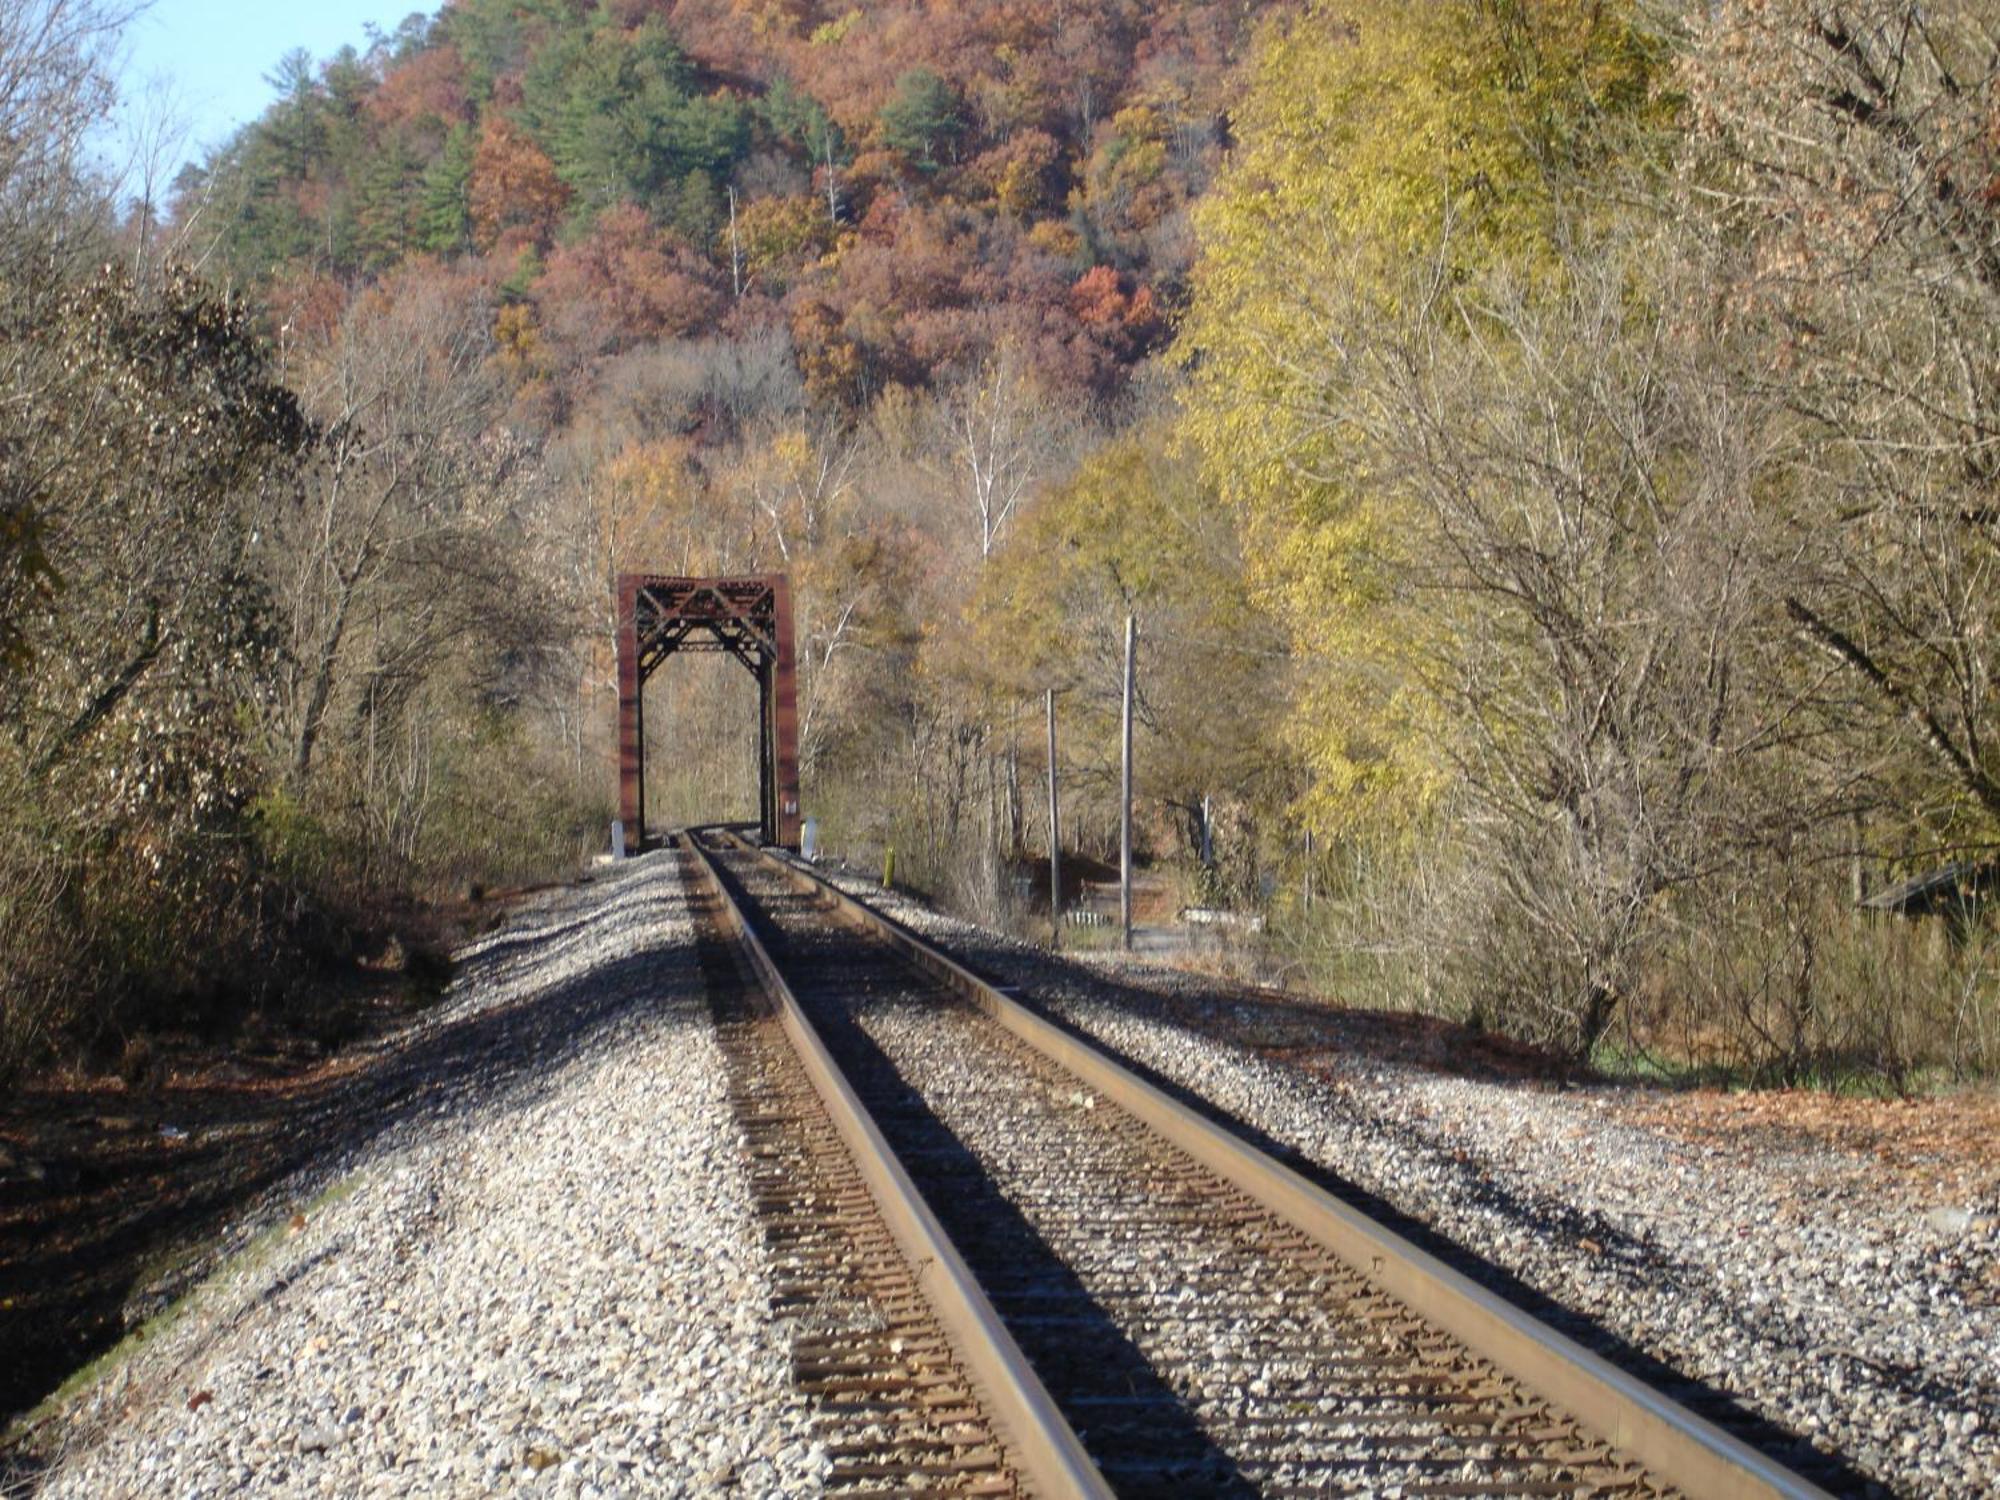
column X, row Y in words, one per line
column 751, row 619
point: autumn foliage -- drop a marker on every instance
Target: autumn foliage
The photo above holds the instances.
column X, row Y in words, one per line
column 1548, row 447
column 933, row 181
column 515, row 194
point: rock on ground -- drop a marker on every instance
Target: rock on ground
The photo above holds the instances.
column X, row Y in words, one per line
column 548, row 1274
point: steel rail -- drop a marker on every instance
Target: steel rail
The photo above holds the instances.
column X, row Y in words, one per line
column 1039, row 1439
column 1674, row 1444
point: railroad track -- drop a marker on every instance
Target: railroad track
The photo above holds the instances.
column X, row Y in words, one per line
column 1135, row 1302
column 889, row 1402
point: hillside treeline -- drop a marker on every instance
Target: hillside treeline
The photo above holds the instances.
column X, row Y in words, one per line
column 1549, row 448
column 1615, row 433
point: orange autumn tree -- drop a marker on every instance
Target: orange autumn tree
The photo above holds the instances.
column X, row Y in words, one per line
column 515, row 193
column 627, row 282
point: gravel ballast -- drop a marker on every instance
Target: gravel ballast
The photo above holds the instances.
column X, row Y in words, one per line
column 551, row 1276
column 1196, row 1346
column 1822, row 1290
column 546, row 1269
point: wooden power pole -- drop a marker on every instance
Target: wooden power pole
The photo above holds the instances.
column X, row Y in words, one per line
column 1125, row 795
column 1055, row 836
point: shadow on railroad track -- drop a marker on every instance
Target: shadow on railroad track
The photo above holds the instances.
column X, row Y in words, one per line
column 1021, row 971
column 1074, row 1342
column 1091, row 1369
column 528, row 1000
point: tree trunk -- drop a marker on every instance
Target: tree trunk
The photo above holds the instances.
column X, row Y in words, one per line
column 322, row 689
column 1597, row 1013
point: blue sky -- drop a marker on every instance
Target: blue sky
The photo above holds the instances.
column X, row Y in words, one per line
column 206, row 59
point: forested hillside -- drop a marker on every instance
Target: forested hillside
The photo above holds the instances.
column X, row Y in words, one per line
column 1549, row 448
column 841, row 292
column 895, row 189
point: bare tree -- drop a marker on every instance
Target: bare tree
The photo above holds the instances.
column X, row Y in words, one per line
column 55, row 88
column 1000, row 435
column 799, row 479
column 396, row 549
column 1577, row 501
column 1841, row 173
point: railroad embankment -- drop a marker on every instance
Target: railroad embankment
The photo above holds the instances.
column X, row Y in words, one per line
column 545, row 1269
column 541, row 1260
column 1829, row 1267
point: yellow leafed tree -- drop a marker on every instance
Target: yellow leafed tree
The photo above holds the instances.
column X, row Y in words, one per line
column 1384, row 149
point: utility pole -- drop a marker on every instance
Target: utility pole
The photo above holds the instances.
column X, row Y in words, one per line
column 1014, row 779
column 1055, row 836
column 1125, row 794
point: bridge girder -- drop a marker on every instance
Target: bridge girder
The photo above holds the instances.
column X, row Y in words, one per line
column 751, row 619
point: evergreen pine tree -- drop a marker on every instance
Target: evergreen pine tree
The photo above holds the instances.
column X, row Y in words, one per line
column 444, row 214
column 386, row 202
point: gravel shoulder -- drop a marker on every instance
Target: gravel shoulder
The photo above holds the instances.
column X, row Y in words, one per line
column 1830, row 1267
column 545, row 1268
column 547, row 1272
